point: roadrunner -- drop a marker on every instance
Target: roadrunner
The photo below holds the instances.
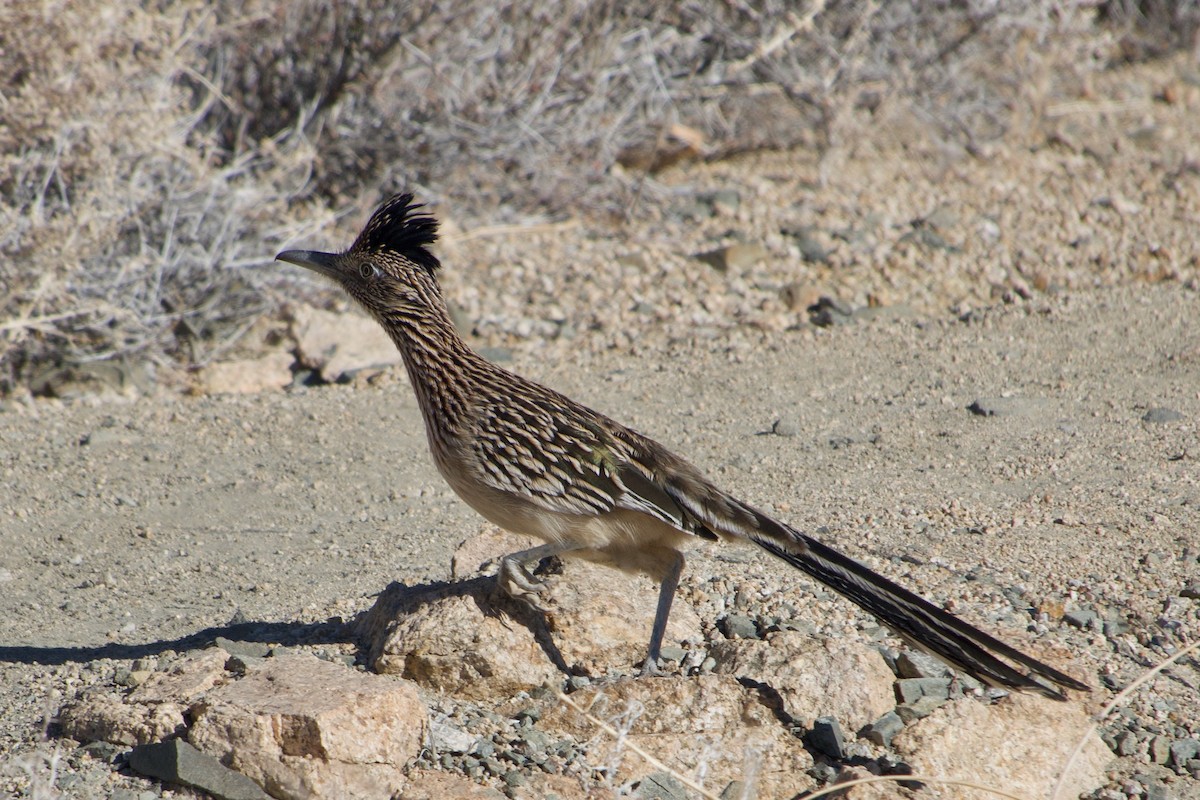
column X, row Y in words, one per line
column 535, row 462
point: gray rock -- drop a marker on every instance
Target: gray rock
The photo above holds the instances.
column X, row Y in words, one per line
column 827, row 312
column 910, row 690
column 884, row 729
column 923, row 707
column 660, row 786
column 1184, row 750
column 1082, row 618
column 1191, row 591
column 1127, row 743
column 1160, row 749
column 786, row 426
column 673, row 653
column 913, row 664
column 1006, row 406
column 448, row 738
column 826, row 735
column 738, row 626
column 176, row 761
column 1160, row 415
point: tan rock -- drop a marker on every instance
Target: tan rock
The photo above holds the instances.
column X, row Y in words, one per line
column 455, row 639
column 1019, row 744
column 248, row 375
column 185, row 680
column 814, row 677
column 334, row 344
column 102, row 717
column 709, row 728
column 302, row 727
column 431, row 785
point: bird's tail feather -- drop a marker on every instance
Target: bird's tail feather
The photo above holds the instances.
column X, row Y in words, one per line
column 911, row 617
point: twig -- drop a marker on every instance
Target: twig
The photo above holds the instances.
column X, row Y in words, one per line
column 651, row 760
column 1104, row 712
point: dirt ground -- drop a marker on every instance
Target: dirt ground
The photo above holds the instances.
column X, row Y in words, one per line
column 135, row 527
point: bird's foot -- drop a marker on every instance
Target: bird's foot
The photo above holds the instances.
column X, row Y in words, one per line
column 516, row 581
column 650, row 668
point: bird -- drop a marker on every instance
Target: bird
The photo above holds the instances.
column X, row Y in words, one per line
column 532, row 461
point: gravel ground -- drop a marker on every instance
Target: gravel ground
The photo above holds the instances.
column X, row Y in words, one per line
column 1002, row 413
column 135, row 529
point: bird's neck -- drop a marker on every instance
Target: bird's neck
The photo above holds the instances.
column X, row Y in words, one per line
column 440, row 364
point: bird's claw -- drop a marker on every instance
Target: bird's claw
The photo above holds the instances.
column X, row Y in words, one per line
column 517, row 582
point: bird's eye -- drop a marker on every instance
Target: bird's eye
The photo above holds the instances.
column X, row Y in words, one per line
column 367, row 270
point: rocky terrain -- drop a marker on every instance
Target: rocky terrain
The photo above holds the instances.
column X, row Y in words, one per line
column 977, row 372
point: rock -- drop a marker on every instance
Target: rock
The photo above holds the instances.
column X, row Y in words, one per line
column 177, row 762
column 299, row 727
column 800, row 296
column 826, row 735
column 702, row 727
column 829, row 311
column 884, row 729
column 1082, row 618
column 185, row 680
column 1020, row 743
column 447, row 738
column 1161, row 416
column 814, row 678
column 1184, row 750
column 1007, row 406
column 106, row 718
column 337, row 344
column 1159, row 749
column 599, row 617
column 737, row 626
column 660, row 786
column 910, row 690
column 248, row 375
column 913, row 664
column 431, row 785
column 734, row 257
column 235, row 648
column 452, row 638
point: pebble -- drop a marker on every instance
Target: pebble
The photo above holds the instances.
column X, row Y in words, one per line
column 660, row 786
column 826, row 735
column 910, row 690
column 913, row 664
column 1082, row 618
column 884, row 729
column 1183, row 751
column 737, row 626
column 1161, row 416
column 734, row 257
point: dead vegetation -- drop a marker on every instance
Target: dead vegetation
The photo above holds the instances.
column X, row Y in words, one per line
column 152, row 156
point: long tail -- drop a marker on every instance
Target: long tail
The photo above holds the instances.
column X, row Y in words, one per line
column 910, row 616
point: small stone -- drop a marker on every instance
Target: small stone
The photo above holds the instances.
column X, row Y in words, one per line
column 826, row 736
column 178, row 762
column 737, row 626
column 786, row 426
column 1127, row 743
column 1160, row 415
column 910, row 690
column 672, row 653
column 911, row 664
column 447, row 738
column 734, row 790
column 1191, row 591
column 1184, row 750
column 660, row 786
column 882, row 730
column 1082, row 618
column 829, row 311
column 1159, row 749
column 921, row 708
column 733, row 257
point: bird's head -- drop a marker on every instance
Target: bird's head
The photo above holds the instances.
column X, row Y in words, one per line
column 389, row 268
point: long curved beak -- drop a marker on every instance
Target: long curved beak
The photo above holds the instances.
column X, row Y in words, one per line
column 324, row 263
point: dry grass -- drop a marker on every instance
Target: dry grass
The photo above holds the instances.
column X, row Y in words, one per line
column 150, row 154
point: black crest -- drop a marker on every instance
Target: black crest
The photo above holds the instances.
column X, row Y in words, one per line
column 397, row 226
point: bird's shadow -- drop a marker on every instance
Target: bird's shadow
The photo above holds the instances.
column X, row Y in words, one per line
column 366, row 631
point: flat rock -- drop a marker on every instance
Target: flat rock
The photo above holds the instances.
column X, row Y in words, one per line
column 709, row 728
column 1020, row 743
column 814, row 678
column 304, row 727
column 176, row 761
column 103, row 717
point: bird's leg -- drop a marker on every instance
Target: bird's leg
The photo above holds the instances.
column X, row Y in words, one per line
column 515, row 579
column 666, row 594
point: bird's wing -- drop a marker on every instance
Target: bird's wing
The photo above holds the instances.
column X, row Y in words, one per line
column 569, row 463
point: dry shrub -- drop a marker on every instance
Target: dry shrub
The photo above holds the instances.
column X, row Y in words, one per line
column 151, row 153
